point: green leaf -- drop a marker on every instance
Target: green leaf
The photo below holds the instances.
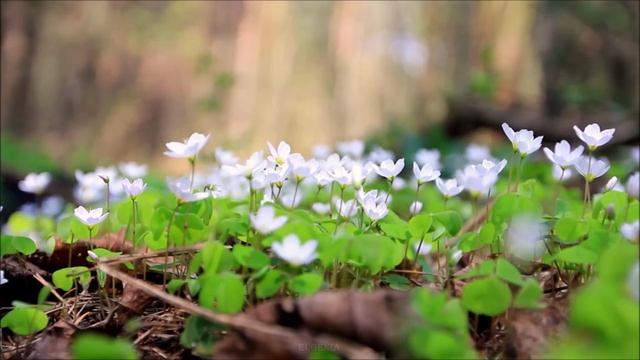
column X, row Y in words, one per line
column 6, row 245
column 270, row 284
column 529, row 296
column 97, row 346
column 489, row 296
column 451, row 220
column 487, row 234
column 420, row 225
column 64, row 278
column 397, row 282
column 305, row 284
column 20, row 223
column 570, row 230
column 617, row 200
column 24, row 245
column 249, row 257
column 486, row 268
column 509, row 205
column 222, row 292
column 25, row 320
column 174, row 285
column 469, row 242
column 395, row 230
column 508, row 272
column 577, row 254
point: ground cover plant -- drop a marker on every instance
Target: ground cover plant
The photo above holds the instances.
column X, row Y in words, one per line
column 342, row 254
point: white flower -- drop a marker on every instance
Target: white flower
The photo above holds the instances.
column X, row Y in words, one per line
column 255, row 161
column 35, row 183
column 295, row 253
column 415, row 207
column 525, row 238
column 286, row 198
column 182, row 189
column 354, row 148
column 631, row 231
column 265, row 221
column 279, row 156
column 449, row 188
column 424, row 174
column 476, row 153
column 321, row 152
column 379, row 154
column 476, row 179
column 562, row 154
column 489, row 167
column 424, row 249
column 300, row 168
column 375, row 210
column 322, row 178
column 3, row 280
column 90, row 217
column 321, row 208
column 187, row 149
column 340, row 175
column 593, row 137
column 359, row 174
column 133, row 170
column 611, row 184
column 347, row 208
column 633, row 185
column 633, row 281
column 399, row 184
column 561, row 175
column 388, row 169
column 225, row 157
column 591, row 169
column 635, row 155
column 106, row 173
column 134, row 188
column 523, row 140
column 428, row 157
column 52, row 205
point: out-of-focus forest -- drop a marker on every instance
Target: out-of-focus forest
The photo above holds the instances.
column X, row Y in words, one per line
column 97, row 82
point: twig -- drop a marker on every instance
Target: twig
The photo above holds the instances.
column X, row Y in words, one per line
column 240, row 321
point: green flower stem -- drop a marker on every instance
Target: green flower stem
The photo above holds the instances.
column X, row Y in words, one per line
column 90, row 237
column 520, row 169
column 192, row 162
column 386, row 199
column 331, row 207
column 295, row 193
column 169, row 244
column 511, row 165
column 416, row 199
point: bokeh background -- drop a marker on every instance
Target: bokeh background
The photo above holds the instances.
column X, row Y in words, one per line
column 88, row 83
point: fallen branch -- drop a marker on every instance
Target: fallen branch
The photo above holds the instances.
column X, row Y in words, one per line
column 241, row 321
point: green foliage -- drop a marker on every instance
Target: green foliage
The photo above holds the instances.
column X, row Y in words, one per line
column 305, row 284
column 64, row 278
column 97, row 346
column 16, row 244
column 25, row 320
column 488, row 296
column 440, row 331
column 223, row 292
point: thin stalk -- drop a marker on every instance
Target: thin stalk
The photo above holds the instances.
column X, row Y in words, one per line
column 295, row 193
column 416, row 199
column 192, row 162
column 386, row 199
column 315, row 198
column 331, row 207
column 521, row 167
column 511, row 164
column 169, row 245
column 90, row 237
